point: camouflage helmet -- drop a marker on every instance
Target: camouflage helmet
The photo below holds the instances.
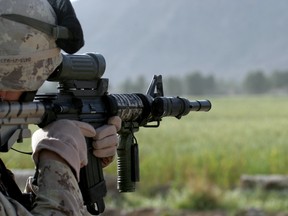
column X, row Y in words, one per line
column 27, row 55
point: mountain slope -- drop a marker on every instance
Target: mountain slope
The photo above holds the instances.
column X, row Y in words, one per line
column 226, row 38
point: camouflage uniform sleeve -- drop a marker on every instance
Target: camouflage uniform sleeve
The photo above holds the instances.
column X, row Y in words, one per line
column 58, row 193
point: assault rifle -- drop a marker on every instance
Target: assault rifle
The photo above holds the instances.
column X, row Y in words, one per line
column 83, row 95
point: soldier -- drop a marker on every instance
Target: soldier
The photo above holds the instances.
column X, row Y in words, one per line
column 28, row 56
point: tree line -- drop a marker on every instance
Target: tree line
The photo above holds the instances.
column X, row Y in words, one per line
column 196, row 83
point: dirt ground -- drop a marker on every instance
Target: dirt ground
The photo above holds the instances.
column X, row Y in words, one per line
column 157, row 212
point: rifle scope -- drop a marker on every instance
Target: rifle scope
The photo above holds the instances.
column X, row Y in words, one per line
column 88, row 66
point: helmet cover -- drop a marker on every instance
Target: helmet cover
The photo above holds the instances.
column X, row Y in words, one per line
column 27, row 55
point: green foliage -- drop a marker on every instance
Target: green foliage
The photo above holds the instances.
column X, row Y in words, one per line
column 200, row 199
column 256, row 83
column 196, row 83
column 139, row 86
column 268, row 201
column 173, row 86
column 279, row 79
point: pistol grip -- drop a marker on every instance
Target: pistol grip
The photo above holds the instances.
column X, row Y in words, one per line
column 92, row 184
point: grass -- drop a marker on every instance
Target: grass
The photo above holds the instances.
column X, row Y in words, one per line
column 206, row 153
column 239, row 135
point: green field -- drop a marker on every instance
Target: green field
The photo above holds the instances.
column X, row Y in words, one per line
column 207, row 152
column 238, row 136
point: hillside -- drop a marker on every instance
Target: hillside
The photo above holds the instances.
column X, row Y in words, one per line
column 224, row 38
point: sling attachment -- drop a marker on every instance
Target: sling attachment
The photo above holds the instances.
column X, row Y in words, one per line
column 10, row 189
column 58, row 32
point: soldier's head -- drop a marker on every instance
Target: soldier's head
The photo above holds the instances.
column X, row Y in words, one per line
column 27, row 55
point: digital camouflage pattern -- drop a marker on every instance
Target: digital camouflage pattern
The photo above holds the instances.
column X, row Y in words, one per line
column 57, row 197
column 27, row 56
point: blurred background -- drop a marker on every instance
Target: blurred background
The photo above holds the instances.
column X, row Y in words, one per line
column 224, row 46
column 231, row 160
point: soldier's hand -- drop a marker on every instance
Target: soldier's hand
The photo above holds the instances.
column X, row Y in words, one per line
column 106, row 140
column 66, row 138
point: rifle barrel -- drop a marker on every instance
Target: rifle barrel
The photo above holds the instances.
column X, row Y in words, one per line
column 177, row 106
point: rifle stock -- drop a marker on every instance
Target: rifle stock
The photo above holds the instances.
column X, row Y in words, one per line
column 83, row 95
